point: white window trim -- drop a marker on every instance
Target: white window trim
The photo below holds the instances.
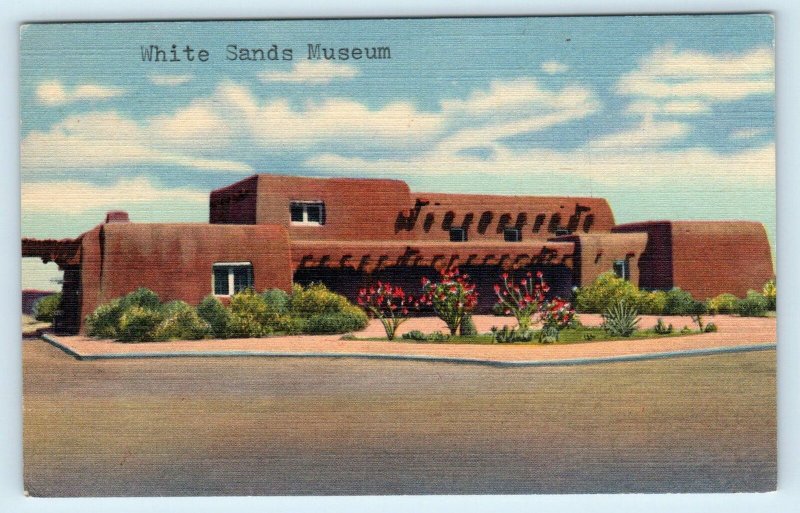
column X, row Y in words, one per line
column 305, row 204
column 231, row 281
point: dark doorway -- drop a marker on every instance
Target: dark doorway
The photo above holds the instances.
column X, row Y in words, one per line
column 67, row 319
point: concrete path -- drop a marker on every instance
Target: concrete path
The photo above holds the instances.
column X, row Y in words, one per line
column 735, row 334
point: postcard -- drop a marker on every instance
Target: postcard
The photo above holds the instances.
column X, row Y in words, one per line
column 501, row 255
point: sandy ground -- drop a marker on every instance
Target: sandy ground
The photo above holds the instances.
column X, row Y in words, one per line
column 733, row 331
column 262, row 426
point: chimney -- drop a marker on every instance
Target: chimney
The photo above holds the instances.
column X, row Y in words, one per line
column 117, row 216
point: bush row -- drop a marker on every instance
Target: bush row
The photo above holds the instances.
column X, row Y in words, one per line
column 609, row 290
column 141, row 316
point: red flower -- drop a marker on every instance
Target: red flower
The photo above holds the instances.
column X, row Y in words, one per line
column 539, row 274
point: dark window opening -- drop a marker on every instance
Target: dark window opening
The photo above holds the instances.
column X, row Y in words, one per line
column 562, row 231
column 458, row 235
column 621, row 269
column 232, row 278
column 512, row 234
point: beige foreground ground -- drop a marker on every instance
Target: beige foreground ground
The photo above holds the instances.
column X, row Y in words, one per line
column 733, row 331
column 283, row 426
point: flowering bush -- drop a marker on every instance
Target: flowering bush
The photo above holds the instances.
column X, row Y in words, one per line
column 523, row 300
column 527, row 300
column 557, row 313
column 452, row 297
column 387, row 303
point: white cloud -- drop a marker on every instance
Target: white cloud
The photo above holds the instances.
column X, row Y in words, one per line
column 648, row 134
column 169, row 80
column 73, row 197
column 670, row 74
column 53, row 93
column 554, row 67
column 106, row 139
column 557, row 170
column 668, row 107
column 312, row 72
column 516, row 95
column 749, row 133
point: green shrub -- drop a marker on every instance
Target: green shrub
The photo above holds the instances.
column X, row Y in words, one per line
column 316, row 299
column 467, row 328
column 182, row 324
column 548, row 334
column 289, row 325
column 620, row 319
column 661, row 328
column 104, row 321
column 711, row 328
column 506, row 335
column 770, row 292
column 651, row 303
column 722, row 304
column 141, row 297
column 45, row 308
column 350, row 319
column 415, row 335
column 437, row 336
column 173, row 308
column 753, row 305
column 249, row 316
column 680, row 302
column 138, row 324
column 277, row 300
column 606, row 290
column 215, row 314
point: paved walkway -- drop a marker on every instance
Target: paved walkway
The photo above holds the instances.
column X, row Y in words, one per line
column 735, row 334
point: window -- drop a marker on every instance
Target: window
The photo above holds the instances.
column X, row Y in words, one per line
column 307, row 212
column 562, row 231
column 458, row 235
column 621, row 269
column 230, row 278
column 512, row 234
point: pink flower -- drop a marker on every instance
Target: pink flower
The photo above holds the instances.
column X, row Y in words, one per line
column 539, row 274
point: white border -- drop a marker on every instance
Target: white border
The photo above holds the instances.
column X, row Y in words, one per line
column 787, row 14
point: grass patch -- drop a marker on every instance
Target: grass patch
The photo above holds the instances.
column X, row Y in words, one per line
column 566, row 336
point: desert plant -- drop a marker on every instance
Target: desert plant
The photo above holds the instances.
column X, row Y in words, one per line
column 606, row 290
column 45, row 308
column 661, row 328
column 710, row 328
column 452, row 297
column 350, row 319
column 437, row 336
column 770, row 292
column 138, row 324
column 415, row 335
column 722, row 304
column 506, row 335
column 753, row 305
column 104, row 321
column 680, row 302
column 182, row 324
column 316, row 299
column 467, row 328
column 387, row 303
column 142, row 297
column 215, row 314
column 620, row 319
column 548, row 334
column 277, row 300
column 651, row 303
column 698, row 319
column 523, row 300
column 249, row 315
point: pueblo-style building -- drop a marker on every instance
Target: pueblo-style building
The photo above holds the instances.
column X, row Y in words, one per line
column 270, row 231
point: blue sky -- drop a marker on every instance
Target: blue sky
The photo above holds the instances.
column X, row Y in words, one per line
column 666, row 116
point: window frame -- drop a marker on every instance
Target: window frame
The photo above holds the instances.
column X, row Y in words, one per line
column 517, row 237
column 305, row 204
column 456, row 229
column 231, row 266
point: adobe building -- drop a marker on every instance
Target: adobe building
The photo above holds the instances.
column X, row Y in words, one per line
column 270, row 231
